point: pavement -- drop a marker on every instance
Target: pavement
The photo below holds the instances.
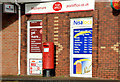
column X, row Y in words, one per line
column 52, row 79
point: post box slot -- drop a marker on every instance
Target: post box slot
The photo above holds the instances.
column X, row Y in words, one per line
column 46, row 45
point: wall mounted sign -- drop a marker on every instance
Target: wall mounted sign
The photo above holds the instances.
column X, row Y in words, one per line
column 34, row 46
column 61, row 6
column 81, row 47
column 115, row 4
column 9, row 8
column 35, row 40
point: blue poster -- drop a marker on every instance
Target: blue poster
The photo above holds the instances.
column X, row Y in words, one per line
column 82, row 41
column 82, row 66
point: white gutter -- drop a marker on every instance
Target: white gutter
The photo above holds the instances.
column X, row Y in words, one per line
column 19, row 38
column 29, row 1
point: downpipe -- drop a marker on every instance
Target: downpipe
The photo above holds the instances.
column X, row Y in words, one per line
column 19, row 35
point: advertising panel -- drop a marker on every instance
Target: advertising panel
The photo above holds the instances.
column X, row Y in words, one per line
column 61, row 6
column 34, row 46
column 81, row 47
column 35, row 66
column 82, row 66
column 82, row 41
column 35, row 40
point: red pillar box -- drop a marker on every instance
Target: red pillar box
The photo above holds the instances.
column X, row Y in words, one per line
column 48, row 58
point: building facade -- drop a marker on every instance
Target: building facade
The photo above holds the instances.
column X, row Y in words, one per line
column 56, row 28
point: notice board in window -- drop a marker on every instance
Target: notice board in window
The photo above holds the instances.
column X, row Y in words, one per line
column 81, row 47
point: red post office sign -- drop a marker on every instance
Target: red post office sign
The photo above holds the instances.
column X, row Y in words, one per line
column 60, row 7
column 115, row 4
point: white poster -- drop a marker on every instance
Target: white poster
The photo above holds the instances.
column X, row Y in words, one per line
column 81, row 47
column 61, row 6
column 35, row 67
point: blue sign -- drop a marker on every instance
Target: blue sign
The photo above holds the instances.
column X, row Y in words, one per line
column 77, row 22
column 82, row 42
column 82, row 66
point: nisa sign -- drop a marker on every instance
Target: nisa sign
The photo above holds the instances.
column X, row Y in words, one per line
column 82, row 22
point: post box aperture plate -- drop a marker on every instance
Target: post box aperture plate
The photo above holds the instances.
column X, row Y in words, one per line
column 46, row 49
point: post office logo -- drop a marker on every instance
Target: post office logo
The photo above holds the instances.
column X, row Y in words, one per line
column 57, row 6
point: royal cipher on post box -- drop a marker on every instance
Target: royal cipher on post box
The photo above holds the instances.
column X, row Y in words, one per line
column 48, row 58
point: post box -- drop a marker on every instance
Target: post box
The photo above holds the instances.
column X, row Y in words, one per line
column 48, row 57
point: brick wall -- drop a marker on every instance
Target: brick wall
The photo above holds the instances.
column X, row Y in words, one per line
column 56, row 28
column 59, row 33
column 119, row 44
column 108, row 41
column 9, row 44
